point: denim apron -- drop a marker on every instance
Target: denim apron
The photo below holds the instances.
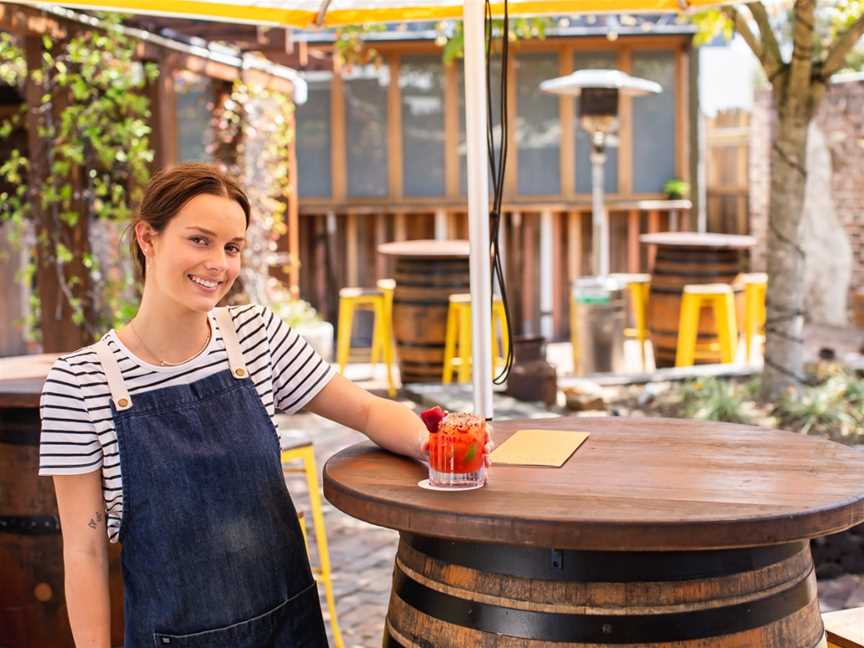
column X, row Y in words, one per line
column 213, row 554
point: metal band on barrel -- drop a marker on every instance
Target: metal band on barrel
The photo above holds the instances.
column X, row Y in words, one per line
column 601, row 566
column 603, row 629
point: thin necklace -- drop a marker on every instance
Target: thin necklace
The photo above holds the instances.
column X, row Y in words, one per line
column 164, row 363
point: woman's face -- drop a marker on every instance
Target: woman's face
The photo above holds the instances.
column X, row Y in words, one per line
column 196, row 258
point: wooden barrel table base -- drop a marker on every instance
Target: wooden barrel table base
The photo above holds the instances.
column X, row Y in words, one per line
column 656, row 533
column 420, row 303
column 689, row 258
column 426, row 274
column 671, row 273
column 32, row 593
column 453, row 594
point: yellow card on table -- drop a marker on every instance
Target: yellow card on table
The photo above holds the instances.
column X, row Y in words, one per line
column 538, row 448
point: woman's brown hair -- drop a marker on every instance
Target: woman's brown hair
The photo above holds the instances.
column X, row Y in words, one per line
column 172, row 188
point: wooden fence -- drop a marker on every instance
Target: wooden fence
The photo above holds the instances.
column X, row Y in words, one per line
column 727, row 137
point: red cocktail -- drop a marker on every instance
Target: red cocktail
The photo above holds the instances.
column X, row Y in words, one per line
column 457, row 452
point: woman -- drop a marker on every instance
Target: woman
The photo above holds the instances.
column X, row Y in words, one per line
column 161, row 435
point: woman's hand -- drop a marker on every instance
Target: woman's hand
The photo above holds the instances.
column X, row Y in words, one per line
column 490, row 443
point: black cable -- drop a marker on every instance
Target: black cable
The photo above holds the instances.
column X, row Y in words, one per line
column 497, row 166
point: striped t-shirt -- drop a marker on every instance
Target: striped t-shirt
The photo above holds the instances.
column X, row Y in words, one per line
column 77, row 429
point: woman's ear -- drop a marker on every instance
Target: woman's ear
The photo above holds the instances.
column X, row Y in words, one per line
column 145, row 236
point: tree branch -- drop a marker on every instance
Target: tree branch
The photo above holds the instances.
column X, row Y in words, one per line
column 801, row 64
column 770, row 46
column 841, row 46
column 744, row 30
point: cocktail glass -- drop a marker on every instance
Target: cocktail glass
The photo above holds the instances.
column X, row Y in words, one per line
column 457, row 452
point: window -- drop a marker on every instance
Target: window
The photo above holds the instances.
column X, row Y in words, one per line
column 366, row 130
column 538, row 126
column 313, row 139
column 654, row 117
column 421, row 86
column 194, row 103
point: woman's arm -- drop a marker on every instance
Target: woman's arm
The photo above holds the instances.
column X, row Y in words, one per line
column 85, row 557
column 389, row 424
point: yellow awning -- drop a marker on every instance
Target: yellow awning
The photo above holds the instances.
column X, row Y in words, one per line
column 303, row 13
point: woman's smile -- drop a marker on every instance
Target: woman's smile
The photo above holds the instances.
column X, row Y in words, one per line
column 207, row 285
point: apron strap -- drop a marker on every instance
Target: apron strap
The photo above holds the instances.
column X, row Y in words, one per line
column 119, row 393
column 232, row 344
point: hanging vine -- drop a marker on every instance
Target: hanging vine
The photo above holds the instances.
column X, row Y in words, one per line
column 93, row 120
column 257, row 122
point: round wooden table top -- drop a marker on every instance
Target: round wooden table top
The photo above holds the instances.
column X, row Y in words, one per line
column 694, row 239
column 22, row 377
column 636, row 484
column 426, row 248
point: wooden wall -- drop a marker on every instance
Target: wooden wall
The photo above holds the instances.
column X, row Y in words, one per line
column 339, row 234
column 338, row 248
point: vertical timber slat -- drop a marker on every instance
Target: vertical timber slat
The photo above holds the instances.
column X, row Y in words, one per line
column 338, row 159
column 653, row 228
column 633, row 240
column 566, row 115
column 451, row 131
column 351, row 268
column 394, row 130
column 625, row 130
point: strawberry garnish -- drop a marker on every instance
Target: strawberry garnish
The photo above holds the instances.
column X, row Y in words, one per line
column 432, row 418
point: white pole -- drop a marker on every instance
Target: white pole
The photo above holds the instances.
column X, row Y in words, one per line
column 478, row 206
column 546, row 262
column 440, row 225
column 600, row 225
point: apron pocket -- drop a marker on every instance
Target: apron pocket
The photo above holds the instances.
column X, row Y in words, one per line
column 294, row 623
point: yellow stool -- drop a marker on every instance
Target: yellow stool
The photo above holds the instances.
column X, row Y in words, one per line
column 755, row 286
column 376, row 300
column 639, row 287
column 304, row 452
column 845, row 628
column 721, row 299
column 459, row 335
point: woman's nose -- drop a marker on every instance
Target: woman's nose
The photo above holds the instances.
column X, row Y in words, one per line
column 216, row 260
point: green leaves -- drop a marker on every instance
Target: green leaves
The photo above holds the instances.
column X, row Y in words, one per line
column 711, row 23
column 93, row 118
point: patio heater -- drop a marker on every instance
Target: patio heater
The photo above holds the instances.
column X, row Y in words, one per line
column 598, row 92
column 598, row 315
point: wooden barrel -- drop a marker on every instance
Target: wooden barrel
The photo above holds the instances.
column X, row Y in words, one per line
column 455, row 594
column 32, row 598
column 674, row 268
column 420, row 302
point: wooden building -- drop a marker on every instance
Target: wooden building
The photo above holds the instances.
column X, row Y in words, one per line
column 381, row 157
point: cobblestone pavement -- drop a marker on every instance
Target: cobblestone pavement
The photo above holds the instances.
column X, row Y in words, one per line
column 362, row 554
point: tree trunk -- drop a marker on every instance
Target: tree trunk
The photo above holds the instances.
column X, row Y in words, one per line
column 784, row 343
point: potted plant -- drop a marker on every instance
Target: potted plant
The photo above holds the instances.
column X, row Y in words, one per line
column 676, row 189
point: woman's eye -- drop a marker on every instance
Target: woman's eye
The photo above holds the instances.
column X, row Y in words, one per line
column 234, row 249
column 198, row 240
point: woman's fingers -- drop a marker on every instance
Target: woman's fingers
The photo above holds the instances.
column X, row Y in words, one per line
column 490, row 444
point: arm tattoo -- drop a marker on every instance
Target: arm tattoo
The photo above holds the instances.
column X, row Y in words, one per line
column 94, row 521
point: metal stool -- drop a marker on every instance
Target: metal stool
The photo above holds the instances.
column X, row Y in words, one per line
column 304, row 452
column 721, row 299
column 376, row 300
column 639, row 287
column 755, row 286
column 459, row 335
